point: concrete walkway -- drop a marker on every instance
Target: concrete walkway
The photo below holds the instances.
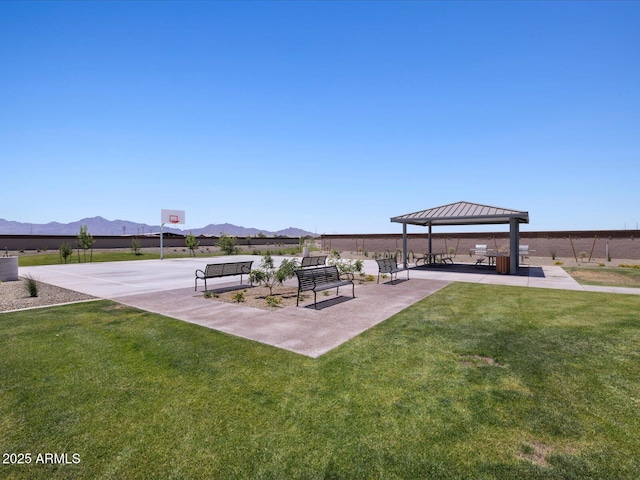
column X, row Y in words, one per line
column 167, row 287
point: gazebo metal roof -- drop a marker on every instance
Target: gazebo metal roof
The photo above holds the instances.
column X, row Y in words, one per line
column 463, row 213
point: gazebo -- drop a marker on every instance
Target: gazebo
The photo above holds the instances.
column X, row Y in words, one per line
column 466, row 213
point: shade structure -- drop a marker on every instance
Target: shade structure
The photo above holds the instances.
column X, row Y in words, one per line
column 466, row 213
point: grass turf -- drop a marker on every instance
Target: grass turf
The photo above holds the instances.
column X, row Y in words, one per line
column 476, row 381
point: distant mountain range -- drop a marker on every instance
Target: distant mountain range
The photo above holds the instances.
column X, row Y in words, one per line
column 102, row 226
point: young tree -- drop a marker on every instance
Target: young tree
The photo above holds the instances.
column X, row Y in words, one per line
column 85, row 242
column 268, row 275
column 66, row 250
column 192, row 244
column 135, row 246
column 228, row 244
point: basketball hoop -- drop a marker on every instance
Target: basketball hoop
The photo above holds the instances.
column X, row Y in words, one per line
column 169, row 216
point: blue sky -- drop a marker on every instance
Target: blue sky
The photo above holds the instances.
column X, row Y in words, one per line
column 328, row 116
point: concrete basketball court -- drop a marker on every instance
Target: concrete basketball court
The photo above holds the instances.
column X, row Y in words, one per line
column 167, row 287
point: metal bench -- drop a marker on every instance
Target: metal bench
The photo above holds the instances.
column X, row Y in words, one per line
column 321, row 278
column 313, row 261
column 390, row 266
column 217, row 270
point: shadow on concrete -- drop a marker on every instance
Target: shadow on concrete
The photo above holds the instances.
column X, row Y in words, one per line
column 397, row 281
column 230, row 288
column 536, row 272
column 330, row 302
column 523, row 271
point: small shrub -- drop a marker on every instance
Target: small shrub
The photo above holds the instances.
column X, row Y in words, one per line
column 208, row 294
column 558, row 263
column 553, row 254
column 601, row 264
column 346, row 266
column 237, row 297
column 273, row 301
column 370, row 278
column 31, row 286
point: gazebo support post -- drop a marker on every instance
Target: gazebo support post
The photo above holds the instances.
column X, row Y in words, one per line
column 430, row 243
column 514, row 234
column 404, row 246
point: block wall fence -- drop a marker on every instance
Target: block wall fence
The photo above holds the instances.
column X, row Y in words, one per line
column 621, row 244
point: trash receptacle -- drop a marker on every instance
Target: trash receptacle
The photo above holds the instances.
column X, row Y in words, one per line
column 503, row 264
column 8, row 269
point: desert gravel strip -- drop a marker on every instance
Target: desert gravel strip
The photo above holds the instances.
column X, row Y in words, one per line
column 14, row 296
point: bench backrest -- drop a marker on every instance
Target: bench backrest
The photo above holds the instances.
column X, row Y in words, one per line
column 387, row 265
column 313, row 261
column 224, row 269
column 310, row 277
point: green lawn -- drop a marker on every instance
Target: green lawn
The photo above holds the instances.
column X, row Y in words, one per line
column 474, row 382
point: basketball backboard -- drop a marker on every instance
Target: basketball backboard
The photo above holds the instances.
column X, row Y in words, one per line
column 172, row 216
